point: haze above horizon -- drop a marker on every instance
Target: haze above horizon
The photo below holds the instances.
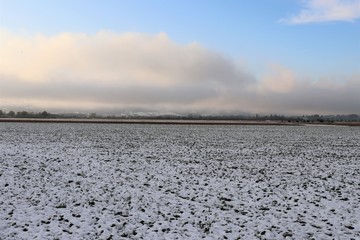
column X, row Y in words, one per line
column 270, row 56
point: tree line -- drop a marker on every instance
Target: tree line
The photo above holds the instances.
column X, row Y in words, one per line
column 24, row 114
column 304, row 118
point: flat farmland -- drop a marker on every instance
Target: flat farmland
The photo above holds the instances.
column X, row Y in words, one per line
column 135, row 181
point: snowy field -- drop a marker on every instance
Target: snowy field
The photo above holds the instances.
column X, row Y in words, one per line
column 104, row 181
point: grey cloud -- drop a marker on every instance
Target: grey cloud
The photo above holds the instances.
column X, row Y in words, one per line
column 304, row 98
column 180, row 94
column 310, row 98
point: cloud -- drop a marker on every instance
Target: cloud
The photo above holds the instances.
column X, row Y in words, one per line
column 130, row 69
column 325, row 96
column 110, row 72
column 279, row 80
column 326, row 11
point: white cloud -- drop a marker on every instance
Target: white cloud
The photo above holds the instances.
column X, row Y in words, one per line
column 325, row 11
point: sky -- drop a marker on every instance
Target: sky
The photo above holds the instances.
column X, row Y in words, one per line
column 268, row 56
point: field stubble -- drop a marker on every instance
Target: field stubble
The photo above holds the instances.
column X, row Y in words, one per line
column 93, row 181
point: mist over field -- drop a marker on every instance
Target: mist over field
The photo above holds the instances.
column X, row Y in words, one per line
column 110, row 71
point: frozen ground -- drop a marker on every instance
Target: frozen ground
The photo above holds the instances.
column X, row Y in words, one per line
column 93, row 181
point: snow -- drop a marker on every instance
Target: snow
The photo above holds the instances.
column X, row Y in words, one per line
column 101, row 181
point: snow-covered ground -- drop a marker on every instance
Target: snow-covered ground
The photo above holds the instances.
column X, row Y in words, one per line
column 93, row 181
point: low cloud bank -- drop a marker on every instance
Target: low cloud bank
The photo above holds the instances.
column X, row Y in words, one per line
column 73, row 71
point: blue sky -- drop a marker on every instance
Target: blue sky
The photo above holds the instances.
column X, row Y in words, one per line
column 256, row 34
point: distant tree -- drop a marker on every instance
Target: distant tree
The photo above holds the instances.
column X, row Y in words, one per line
column 11, row 114
column 92, row 115
column 23, row 114
column 44, row 114
column 2, row 114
